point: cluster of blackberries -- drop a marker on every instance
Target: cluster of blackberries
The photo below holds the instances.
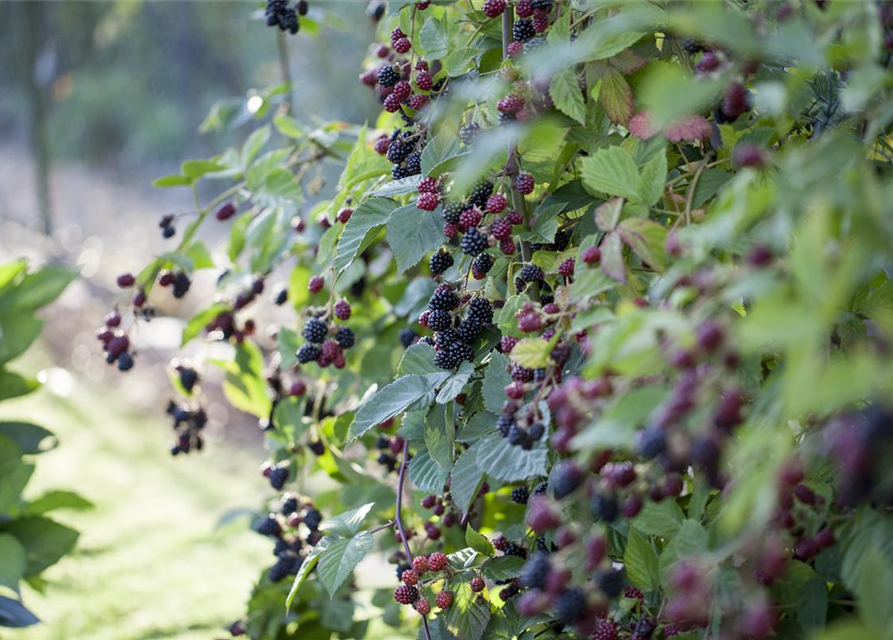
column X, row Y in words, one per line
column 860, row 444
column 453, row 342
column 322, row 349
column 115, row 343
column 188, row 426
column 179, row 282
column 404, row 153
column 561, row 242
column 289, row 545
column 408, row 593
column 279, row 14
column 187, row 375
column 390, row 448
column 168, row 230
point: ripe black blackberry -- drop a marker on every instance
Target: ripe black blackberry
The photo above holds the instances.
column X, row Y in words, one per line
column 289, row 505
column 479, row 193
column 541, row 489
column 188, row 377
column 312, row 519
column 536, row 431
column 542, row 5
column 315, row 331
column 445, row 339
column 644, row 628
column 474, row 242
column 531, row 273
column 565, row 479
column 523, row 30
column 443, row 299
column 398, row 172
column 515, row 550
column 469, row 132
column 439, row 320
column 535, row 571
column 610, row 582
column 181, row 284
column 388, row 76
column 125, row 362
column 482, row 264
column 505, row 425
column 604, row 508
column 345, row 337
column 692, row 46
column 518, row 437
column 652, row 442
column 440, row 262
column 281, row 297
column 520, row 495
column 469, row 331
column 452, row 211
column 407, row 337
column 274, row 10
column 570, row 605
column 269, row 526
column 288, row 21
column 414, row 163
column 308, row 353
column 388, row 461
column 317, row 447
column 278, row 476
column 279, row 571
column 453, row 355
column 480, row 311
column 397, row 151
column 535, row 43
column 302, row 7
column 562, row 240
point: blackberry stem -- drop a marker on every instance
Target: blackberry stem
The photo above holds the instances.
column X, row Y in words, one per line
column 285, row 67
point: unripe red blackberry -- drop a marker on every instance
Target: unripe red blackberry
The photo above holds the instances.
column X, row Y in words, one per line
column 501, row 229
column 748, row 155
column 524, row 183
column 423, row 80
column 139, row 298
column 431, row 529
column 402, row 45
column 493, row 8
column 401, row 90
column 410, row 577
column 406, row 594
column 316, row 284
column 540, row 21
column 510, row 104
column 508, row 246
column 381, row 144
column 438, row 509
column 392, row 103
column 592, row 255
column 524, row 8
column 126, row 280
column 427, row 185
column 342, row 309
column 428, row 201
column 735, row 101
column 420, row 565
column 422, row 606
column 437, row 561
column 566, row 268
column 507, row 344
column 444, row 599
column 344, row 215
column 496, row 203
column 226, row 211
column 396, row 34
column 477, row 584
column 515, row 49
column 417, row 102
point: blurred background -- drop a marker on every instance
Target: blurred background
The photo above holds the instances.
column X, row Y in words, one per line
column 97, row 99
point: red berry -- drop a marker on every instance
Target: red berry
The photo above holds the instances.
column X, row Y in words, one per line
column 507, row 246
column 566, row 268
column 417, row 102
column 493, row 8
column 501, row 229
column 540, row 21
column 824, row 538
column 297, row 388
column 470, row 218
column 477, row 584
column 402, row 45
column 342, row 309
column 420, row 565
column 423, row 81
column 428, row 201
column 401, row 90
column 748, row 155
column 524, row 183
column 592, row 255
column 396, row 34
column 392, row 103
column 381, row 144
column 316, row 284
column 496, row 203
column 410, row 577
column 508, row 343
column 444, row 599
column 515, row 49
column 515, row 217
column 421, row 6
column 604, row 630
column 226, row 211
column 524, row 8
column 422, row 606
column 139, row 298
column 428, row 502
column 428, row 185
column 344, row 215
column 126, row 280
column 510, row 104
column 405, row 594
column 437, row 561
column 166, row 279
column 438, row 509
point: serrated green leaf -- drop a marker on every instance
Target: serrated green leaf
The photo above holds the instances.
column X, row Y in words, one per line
column 412, row 233
column 369, row 216
column 612, row 257
column 496, row 379
column 499, row 459
column 654, row 177
column 468, row 616
column 398, row 187
column 479, row 542
column 341, row 558
column 659, row 519
column 12, row 561
column 172, row 181
column 640, row 562
column 616, row 97
column 466, row 479
column 566, row 94
column 455, row 383
column 612, row 171
column 532, row 353
column 648, row 239
column 348, row 523
column 426, row 474
column 502, row 568
column 418, row 359
column 388, row 402
column 440, row 433
column 306, row 567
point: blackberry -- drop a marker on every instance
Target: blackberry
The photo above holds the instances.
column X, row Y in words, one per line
column 414, row 163
column 440, row 262
column 397, row 151
column 278, row 476
column 541, row 488
column 542, row 5
column 315, row 331
column 536, row 431
column 317, row 447
column 515, row 550
column 521, row 374
column 480, row 193
column 168, row 231
column 469, row 132
column 288, row 21
column 538, row 42
column 523, row 30
column 692, row 46
column 531, row 273
column 477, row 584
column 312, row 519
column 443, row 299
column 289, row 505
column 274, row 10
column 652, row 442
column 480, row 311
column 452, row 356
column 125, row 362
column 406, row 594
column 566, row 478
column 518, row 437
column 469, row 331
column 302, row 7
column 439, row 320
column 610, row 582
column 188, row 377
column 535, row 571
column 520, row 495
column 604, row 508
column 562, row 240
column 535, row 246
column 399, row 172
column 388, row 76
column 407, row 337
column 474, row 242
column 281, row 297
column 482, row 265
column 181, row 284
column 505, row 425
column 644, row 629
column 570, row 606
column 446, row 338
column 308, row 353
column 269, row 526
column 279, row 571
column 345, row 337
column 387, row 460
column 451, row 213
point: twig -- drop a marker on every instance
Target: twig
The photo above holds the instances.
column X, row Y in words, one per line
column 399, row 521
column 691, row 189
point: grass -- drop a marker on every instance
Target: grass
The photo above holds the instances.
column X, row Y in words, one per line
column 151, row 561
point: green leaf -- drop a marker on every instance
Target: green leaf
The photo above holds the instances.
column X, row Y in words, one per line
column 440, row 154
column 874, row 587
column 174, row 180
column 479, row 542
column 341, row 558
column 496, row 379
column 640, row 562
column 532, row 353
column 245, row 384
column 612, row 171
column 29, row 437
column 369, row 216
column 199, row 321
column 502, row 568
column 306, row 567
column 648, row 239
column 388, row 402
column 468, row 616
column 465, row 480
column 440, row 434
column 13, row 614
column 411, row 233
column 288, row 126
column 607, row 215
column 812, row 605
column 654, row 177
column 58, row 499
column 195, row 169
column 201, row 258
column 254, row 144
column 616, row 97
column 434, row 39
column 398, row 187
column 418, row 360
column 545, row 223
column 12, row 561
column 45, row 541
column 348, row 523
column 426, row 474
column 662, row 519
column 566, row 94
column 499, row 459
column 455, row 383
column 612, row 257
